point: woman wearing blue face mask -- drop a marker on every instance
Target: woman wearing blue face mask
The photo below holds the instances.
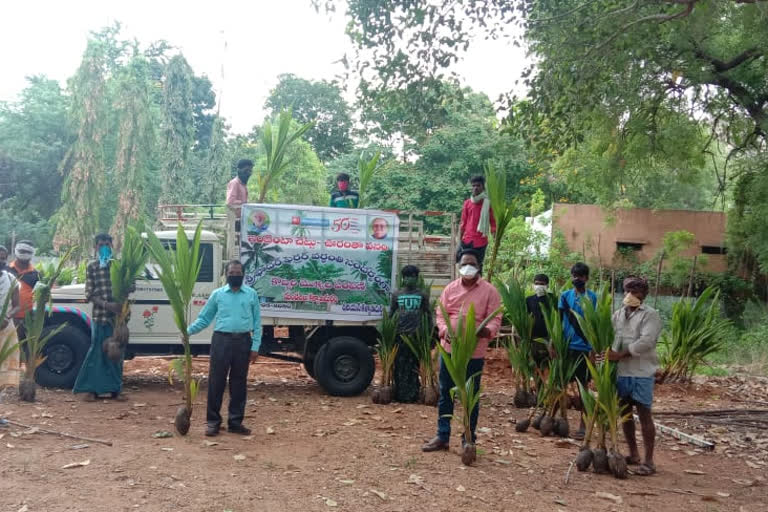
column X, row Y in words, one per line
column 99, row 375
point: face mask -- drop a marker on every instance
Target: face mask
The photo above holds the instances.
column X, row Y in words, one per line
column 469, row 271
column 578, row 283
column 540, row 289
column 343, row 186
column 235, row 281
column 105, row 254
column 410, row 281
column 244, row 176
column 632, row 301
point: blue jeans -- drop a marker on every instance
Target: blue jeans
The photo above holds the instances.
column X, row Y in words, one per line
column 445, row 403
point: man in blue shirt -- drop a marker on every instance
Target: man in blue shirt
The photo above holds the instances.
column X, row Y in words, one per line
column 235, row 343
column 578, row 346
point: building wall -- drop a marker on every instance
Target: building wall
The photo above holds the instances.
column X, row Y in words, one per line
column 595, row 231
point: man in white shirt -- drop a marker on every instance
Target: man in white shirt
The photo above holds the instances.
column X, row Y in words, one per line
column 637, row 328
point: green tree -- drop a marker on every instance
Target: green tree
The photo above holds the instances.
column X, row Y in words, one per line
column 84, row 163
column 179, row 130
column 319, row 102
column 135, row 140
column 34, row 137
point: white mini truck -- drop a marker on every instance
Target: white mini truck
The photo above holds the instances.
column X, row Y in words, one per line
column 336, row 352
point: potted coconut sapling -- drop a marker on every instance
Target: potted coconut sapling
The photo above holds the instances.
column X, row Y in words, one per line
column 178, row 270
column 123, row 273
column 421, row 344
column 561, row 371
column 606, row 412
column 463, row 344
column 387, row 350
column 36, row 336
column 520, row 346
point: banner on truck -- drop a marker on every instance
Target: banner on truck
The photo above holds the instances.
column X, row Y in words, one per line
column 319, row 263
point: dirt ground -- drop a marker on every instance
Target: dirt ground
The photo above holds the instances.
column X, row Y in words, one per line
column 311, row 452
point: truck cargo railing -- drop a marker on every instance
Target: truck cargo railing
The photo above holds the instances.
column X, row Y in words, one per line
column 434, row 254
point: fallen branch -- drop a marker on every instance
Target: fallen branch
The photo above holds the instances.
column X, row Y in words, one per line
column 568, row 473
column 681, row 435
column 710, row 412
column 54, row 432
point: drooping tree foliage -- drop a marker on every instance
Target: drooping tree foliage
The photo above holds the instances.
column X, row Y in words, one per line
column 179, row 129
column 135, row 139
column 85, row 162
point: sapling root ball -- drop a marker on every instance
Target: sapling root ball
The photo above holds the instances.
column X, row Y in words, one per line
column 584, row 459
column 600, row 461
column 522, row 426
column 547, row 425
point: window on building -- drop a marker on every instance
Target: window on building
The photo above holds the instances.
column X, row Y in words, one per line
column 713, row 249
column 629, row 246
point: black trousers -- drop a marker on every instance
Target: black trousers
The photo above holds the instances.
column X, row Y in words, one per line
column 230, row 355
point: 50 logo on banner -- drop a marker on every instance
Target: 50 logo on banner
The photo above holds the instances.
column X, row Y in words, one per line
column 345, row 224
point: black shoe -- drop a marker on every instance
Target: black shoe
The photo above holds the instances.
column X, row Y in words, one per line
column 239, row 429
column 212, row 430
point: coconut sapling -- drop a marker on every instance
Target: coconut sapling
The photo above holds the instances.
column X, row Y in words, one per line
column 34, row 323
column 387, row 350
column 123, row 275
column 178, row 270
column 561, row 372
column 463, row 344
column 519, row 348
column 421, row 344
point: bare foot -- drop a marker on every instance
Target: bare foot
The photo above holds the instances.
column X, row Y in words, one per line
column 120, row 397
column 88, row 397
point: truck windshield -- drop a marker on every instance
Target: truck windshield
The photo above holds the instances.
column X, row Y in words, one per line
column 206, row 269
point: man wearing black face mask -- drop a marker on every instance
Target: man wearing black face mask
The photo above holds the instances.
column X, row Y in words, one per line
column 579, row 348
column 235, row 343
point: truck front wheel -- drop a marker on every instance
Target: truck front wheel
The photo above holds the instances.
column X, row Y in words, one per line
column 64, row 355
column 344, row 366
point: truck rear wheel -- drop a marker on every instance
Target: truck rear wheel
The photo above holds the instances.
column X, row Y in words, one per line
column 344, row 366
column 65, row 353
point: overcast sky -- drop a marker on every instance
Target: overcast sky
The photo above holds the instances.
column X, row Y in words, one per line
column 264, row 38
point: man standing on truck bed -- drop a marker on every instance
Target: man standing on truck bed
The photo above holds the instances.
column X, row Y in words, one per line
column 342, row 197
column 99, row 374
column 237, row 196
column 235, row 343
column 477, row 222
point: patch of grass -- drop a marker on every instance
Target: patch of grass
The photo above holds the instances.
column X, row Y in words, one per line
column 747, row 349
column 713, row 371
column 411, row 463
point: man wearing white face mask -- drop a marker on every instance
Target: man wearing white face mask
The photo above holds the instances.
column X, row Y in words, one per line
column 537, row 304
column 637, row 328
column 468, row 289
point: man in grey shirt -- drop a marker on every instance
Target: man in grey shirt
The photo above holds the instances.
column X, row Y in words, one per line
column 637, row 328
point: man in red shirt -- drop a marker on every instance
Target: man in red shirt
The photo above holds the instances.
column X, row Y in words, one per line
column 468, row 289
column 477, row 222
